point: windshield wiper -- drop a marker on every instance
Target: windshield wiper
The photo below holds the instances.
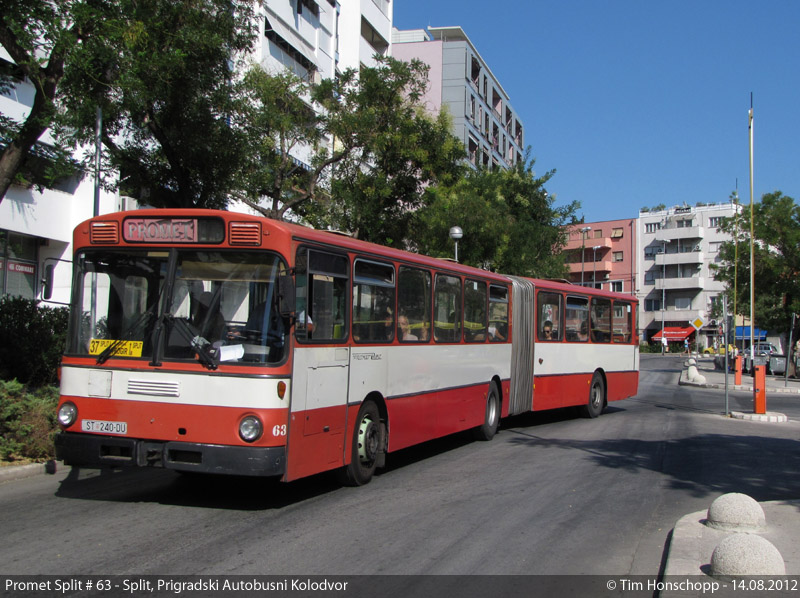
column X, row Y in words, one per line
column 206, row 352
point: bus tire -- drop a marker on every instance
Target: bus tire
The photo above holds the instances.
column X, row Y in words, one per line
column 491, row 419
column 366, row 448
column 597, row 397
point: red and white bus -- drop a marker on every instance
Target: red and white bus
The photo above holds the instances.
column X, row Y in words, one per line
column 217, row 342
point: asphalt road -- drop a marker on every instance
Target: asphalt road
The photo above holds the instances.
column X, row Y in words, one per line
column 551, row 494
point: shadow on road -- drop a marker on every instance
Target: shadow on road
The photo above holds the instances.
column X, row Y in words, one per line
column 762, row 467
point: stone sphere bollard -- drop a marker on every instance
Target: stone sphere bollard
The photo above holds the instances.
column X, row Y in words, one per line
column 745, row 554
column 737, row 512
column 692, row 374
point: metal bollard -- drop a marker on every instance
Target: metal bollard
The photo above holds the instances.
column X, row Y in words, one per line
column 760, row 390
column 737, row 368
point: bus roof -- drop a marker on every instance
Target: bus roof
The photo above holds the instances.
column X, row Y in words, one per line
column 288, row 232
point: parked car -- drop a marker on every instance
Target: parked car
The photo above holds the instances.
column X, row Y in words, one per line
column 719, row 351
column 766, row 349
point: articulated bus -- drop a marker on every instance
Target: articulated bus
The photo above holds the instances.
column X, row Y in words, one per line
column 217, row 342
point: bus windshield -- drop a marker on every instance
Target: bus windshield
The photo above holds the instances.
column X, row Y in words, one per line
column 178, row 304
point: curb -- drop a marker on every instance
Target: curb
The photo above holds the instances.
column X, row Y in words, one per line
column 19, row 472
column 742, row 387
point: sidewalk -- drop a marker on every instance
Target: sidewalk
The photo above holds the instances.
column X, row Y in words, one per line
column 716, row 378
column 692, row 541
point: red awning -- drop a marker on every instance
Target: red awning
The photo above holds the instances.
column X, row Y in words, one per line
column 674, row 333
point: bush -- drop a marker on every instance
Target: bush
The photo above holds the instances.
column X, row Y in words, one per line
column 32, row 339
column 27, row 422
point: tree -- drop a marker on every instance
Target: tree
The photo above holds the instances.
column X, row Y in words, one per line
column 370, row 148
column 510, row 222
column 44, row 39
column 399, row 152
column 776, row 254
column 163, row 75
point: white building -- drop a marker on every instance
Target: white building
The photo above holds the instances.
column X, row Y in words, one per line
column 674, row 281
column 316, row 37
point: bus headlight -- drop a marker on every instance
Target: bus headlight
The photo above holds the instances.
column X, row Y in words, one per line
column 250, row 428
column 67, row 414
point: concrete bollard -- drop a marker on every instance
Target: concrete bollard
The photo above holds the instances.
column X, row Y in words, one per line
column 692, row 375
column 745, row 554
column 736, row 512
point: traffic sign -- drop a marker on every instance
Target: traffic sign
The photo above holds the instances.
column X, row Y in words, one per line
column 698, row 323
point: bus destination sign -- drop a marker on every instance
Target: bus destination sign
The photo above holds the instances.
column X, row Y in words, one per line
column 160, row 230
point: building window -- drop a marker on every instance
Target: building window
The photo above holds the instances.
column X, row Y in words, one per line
column 652, row 227
column 616, row 233
column 652, row 304
column 307, row 6
column 616, row 286
column 684, row 223
column 683, row 303
column 715, row 221
column 18, row 259
column 598, row 233
column 618, row 256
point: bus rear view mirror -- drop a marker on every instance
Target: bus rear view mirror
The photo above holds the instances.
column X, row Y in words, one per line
column 47, row 281
column 286, row 299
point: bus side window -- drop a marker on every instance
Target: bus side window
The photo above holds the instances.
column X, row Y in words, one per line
column 622, row 322
column 577, row 319
column 414, row 305
column 321, row 297
column 601, row 320
column 549, row 323
column 474, row 311
column 498, row 313
column 447, row 309
column 373, row 301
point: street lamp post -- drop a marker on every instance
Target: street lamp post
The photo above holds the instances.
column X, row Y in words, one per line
column 584, row 230
column 456, row 233
column 594, row 264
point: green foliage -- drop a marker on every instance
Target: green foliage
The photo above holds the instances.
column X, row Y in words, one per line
column 510, row 222
column 27, row 421
column 44, row 39
column 32, row 339
column 163, row 74
column 372, row 150
column 776, row 255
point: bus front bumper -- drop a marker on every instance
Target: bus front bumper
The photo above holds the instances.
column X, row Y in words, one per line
column 89, row 450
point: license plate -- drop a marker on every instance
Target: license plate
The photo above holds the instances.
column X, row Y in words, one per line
column 96, row 425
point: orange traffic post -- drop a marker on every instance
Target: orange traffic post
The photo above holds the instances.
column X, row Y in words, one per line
column 737, row 368
column 760, row 390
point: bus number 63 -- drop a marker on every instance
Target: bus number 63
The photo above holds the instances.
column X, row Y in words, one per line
column 279, row 430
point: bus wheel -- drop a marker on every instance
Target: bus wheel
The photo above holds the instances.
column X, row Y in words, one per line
column 366, row 447
column 597, row 397
column 492, row 418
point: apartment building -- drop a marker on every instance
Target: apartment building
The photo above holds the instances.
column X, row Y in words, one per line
column 316, row 38
column 483, row 117
column 312, row 38
column 603, row 254
column 675, row 283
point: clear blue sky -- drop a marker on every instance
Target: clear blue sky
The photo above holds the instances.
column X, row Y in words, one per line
column 637, row 103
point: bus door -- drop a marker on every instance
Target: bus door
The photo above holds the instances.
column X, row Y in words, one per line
column 321, row 364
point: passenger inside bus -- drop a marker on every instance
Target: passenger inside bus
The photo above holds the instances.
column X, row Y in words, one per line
column 547, row 331
column 405, row 329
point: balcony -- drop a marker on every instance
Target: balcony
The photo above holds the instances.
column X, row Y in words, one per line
column 575, row 242
column 588, row 267
column 673, row 234
column 670, row 259
column 680, row 284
